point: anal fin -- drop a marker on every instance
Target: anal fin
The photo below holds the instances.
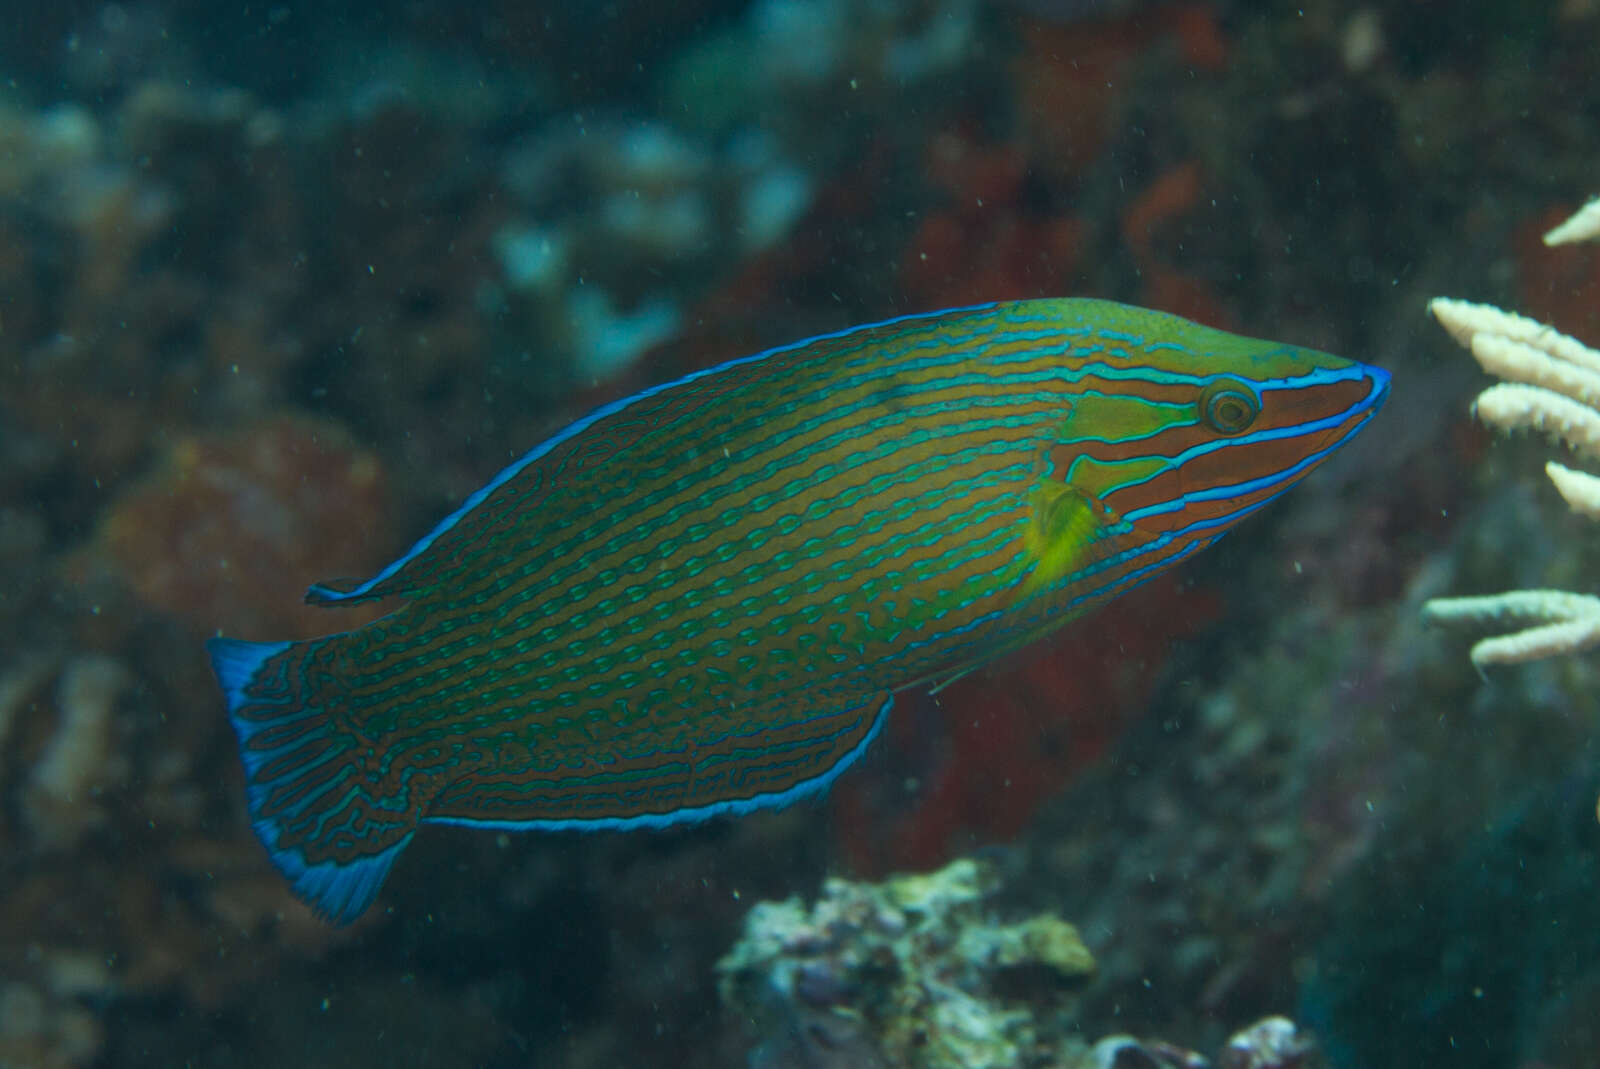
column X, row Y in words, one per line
column 769, row 767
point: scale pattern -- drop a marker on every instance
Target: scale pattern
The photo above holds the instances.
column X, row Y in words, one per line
column 702, row 598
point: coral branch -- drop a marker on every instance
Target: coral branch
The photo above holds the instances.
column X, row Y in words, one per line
column 1552, row 622
column 1516, row 408
column 1467, row 321
column 1581, row 489
column 1553, row 386
column 1584, row 226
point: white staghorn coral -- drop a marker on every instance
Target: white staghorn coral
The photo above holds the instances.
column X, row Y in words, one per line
column 1552, row 386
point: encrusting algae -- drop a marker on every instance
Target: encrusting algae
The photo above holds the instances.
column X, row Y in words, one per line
column 910, row 972
column 918, row 972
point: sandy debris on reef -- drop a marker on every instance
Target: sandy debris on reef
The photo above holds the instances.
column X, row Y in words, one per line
column 62, row 798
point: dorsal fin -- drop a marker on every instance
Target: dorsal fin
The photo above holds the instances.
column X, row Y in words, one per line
column 343, row 591
column 416, row 568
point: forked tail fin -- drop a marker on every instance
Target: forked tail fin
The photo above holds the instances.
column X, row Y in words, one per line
column 323, row 821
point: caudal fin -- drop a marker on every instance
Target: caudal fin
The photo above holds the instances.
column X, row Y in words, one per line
column 310, row 803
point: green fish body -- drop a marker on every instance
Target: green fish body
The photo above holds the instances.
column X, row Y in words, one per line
column 702, row 598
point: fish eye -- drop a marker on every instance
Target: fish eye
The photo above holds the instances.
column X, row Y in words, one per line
column 1229, row 406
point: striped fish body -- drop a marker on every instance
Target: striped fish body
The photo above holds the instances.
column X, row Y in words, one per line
column 701, row 599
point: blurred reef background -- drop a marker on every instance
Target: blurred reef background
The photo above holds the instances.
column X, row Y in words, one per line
column 280, row 284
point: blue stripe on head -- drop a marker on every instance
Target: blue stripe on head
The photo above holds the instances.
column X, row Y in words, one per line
column 1282, row 479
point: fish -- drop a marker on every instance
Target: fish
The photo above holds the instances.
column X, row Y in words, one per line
column 701, row 599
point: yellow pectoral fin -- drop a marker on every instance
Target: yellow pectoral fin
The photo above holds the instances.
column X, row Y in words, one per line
column 1061, row 539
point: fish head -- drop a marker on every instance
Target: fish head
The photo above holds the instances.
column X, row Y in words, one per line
column 1177, row 431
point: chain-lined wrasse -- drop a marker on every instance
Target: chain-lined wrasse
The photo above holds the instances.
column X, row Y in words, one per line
column 701, row 599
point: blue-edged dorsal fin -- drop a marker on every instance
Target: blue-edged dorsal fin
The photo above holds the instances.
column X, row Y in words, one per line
column 481, row 518
column 502, row 500
column 338, row 592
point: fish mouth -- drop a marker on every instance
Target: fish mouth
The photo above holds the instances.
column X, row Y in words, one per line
column 1359, row 413
column 1378, row 393
column 1380, row 387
